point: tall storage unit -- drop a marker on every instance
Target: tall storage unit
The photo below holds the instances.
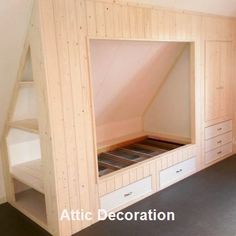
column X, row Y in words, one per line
column 218, row 81
column 218, row 99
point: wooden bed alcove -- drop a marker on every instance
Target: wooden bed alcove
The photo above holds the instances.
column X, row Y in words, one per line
column 128, row 99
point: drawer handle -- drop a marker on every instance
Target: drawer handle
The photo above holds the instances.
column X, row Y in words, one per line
column 219, row 142
column 128, row 194
column 178, row 171
column 219, row 152
column 219, row 129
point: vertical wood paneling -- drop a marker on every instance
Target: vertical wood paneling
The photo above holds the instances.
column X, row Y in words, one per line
column 196, row 27
column 117, row 13
column 84, row 116
column 218, row 28
column 147, row 23
column 110, row 185
column 56, row 110
column 125, row 178
column 146, row 170
column 91, row 18
column 156, row 177
column 140, row 22
column 118, row 181
column 79, row 179
column 74, row 157
column 65, row 38
column 109, row 22
column 132, row 13
column 172, row 25
column 125, row 22
column 50, row 190
column 170, row 160
column 139, row 172
column 164, row 163
column 155, row 30
column 100, row 19
column 183, row 24
column 103, row 188
column 161, row 25
column 133, row 175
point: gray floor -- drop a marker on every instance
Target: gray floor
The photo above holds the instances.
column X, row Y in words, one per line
column 205, row 205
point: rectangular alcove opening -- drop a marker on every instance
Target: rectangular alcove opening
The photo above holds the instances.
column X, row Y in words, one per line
column 30, row 201
column 143, row 96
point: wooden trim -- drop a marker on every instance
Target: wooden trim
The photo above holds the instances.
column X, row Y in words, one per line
column 24, row 83
column 119, row 142
column 9, row 186
column 169, row 137
column 91, row 37
column 30, row 125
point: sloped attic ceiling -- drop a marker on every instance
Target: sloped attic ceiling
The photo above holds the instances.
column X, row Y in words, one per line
column 126, row 76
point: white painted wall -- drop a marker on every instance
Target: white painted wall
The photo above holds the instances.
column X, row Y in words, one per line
column 14, row 21
column 23, row 144
column 169, row 113
column 126, row 76
column 26, row 105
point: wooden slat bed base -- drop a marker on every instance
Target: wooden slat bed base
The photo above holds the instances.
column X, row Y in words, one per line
column 132, row 152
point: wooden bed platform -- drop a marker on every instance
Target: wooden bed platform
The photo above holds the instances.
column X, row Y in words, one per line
column 127, row 155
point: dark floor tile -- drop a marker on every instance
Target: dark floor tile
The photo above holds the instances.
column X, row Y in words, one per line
column 204, row 204
column 13, row 223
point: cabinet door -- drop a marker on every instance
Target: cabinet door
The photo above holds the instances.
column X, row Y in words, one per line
column 226, row 73
column 212, row 80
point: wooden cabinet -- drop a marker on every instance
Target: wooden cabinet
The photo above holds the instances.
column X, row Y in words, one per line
column 218, row 141
column 218, row 79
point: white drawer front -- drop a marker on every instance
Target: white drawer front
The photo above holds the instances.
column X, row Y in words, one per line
column 218, row 153
column 218, row 141
column 128, row 193
column 176, row 172
column 218, row 129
